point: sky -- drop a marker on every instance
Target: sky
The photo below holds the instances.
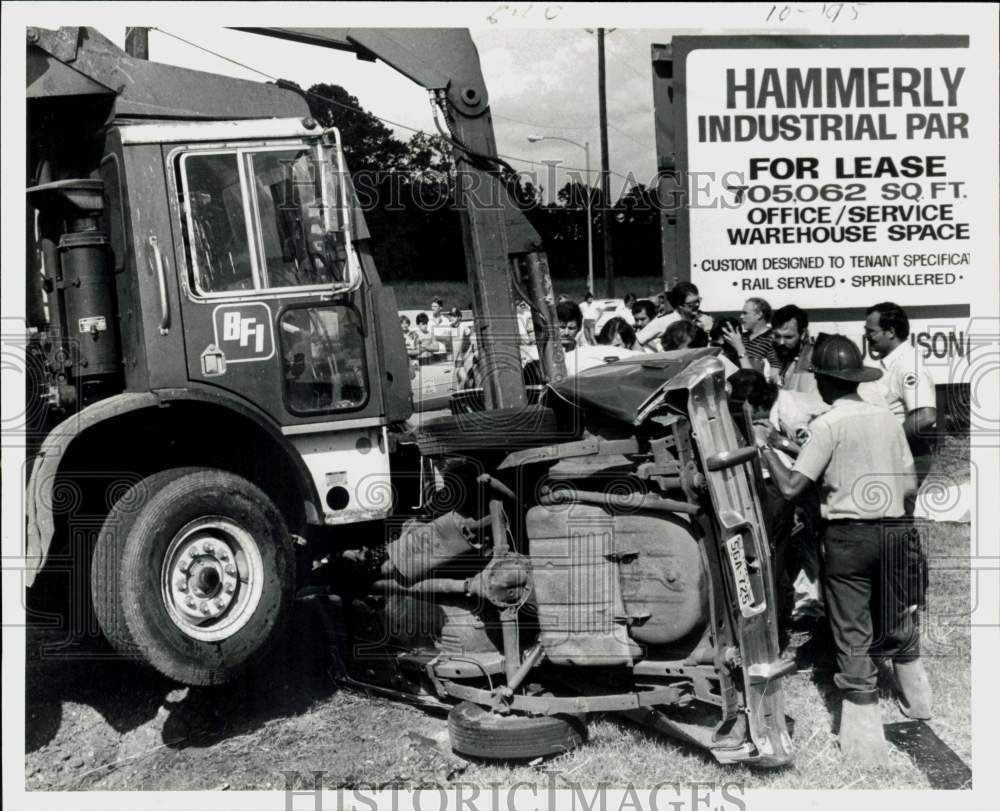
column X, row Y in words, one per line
column 541, row 82
column 539, row 60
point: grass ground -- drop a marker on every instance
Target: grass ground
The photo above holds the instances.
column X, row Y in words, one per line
column 620, row 754
column 96, row 724
column 952, row 459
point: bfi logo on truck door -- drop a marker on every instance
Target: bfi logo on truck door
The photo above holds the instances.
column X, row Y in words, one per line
column 243, row 332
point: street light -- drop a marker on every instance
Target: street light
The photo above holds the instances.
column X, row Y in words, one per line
column 585, row 146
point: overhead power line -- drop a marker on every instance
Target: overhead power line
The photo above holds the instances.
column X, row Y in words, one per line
column 384, row 120
column 623, row 61
column 589, row 127
column 622, row 132
column 275, row 79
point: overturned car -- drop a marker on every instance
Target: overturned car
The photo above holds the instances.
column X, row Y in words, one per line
column 604, row 551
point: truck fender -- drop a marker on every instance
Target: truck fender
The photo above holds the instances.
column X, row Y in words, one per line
column 41, row 498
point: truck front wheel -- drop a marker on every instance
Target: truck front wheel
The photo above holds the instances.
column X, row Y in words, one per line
column 193, row 574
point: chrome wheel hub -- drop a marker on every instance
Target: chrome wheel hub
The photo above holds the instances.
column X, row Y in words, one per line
column 212, row 578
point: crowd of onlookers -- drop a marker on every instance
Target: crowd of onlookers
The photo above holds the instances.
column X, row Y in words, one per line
column 437, row 336
column 775, row 343
column 674, row 320
column 759, row 339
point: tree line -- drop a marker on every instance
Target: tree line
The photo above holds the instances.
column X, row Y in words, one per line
column 406, row 189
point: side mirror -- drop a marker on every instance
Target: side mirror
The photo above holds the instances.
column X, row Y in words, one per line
column 338, row 232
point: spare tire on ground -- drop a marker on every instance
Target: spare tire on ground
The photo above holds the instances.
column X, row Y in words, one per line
column 476, row 732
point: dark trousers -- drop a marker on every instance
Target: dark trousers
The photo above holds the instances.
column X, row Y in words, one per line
column 866, row 569
column 809, row 552
column 789, row 555
column 921, row 464
column 784, row 558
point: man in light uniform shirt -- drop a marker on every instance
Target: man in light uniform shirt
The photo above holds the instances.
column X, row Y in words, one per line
column 858, row 456
column 590, row 312
column 649, row 326
column 907, row 388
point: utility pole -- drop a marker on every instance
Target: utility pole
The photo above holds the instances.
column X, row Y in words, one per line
column 609, row 269
column 137, row 42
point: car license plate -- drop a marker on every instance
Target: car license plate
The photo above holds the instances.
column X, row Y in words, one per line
column 744, row 590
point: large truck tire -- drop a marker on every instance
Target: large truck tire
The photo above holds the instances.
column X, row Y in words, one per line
column 478, row 733
column 193, row 574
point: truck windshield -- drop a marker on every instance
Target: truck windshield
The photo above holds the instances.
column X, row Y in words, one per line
column 256, row 219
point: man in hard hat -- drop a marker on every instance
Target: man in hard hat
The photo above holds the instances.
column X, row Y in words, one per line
column 858, row 456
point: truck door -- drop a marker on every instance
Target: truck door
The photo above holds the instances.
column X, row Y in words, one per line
column 269, row 283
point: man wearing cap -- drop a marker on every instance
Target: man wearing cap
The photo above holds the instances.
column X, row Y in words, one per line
column 858, row 456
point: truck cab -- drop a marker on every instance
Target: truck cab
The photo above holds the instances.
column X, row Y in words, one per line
column 201, row 299
column 257, row 292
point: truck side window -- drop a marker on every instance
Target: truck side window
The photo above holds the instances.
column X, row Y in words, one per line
column 288, row 205
column 216, row 227
column 323, row 359
column 286, row 243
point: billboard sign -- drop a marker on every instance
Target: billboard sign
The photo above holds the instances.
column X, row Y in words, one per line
column 834, row 173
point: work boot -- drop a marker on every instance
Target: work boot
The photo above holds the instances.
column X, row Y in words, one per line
column 862, row 740
column 914, row 689
column 797, row 639
column 730, row 734
column 801, row 649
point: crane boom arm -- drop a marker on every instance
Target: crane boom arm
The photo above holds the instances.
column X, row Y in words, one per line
column 75, row 61
column 494, row 230
column 434, row 58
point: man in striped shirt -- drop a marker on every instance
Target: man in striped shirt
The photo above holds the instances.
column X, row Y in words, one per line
column 755, row 345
